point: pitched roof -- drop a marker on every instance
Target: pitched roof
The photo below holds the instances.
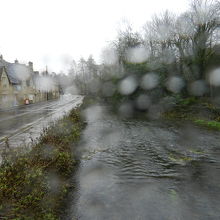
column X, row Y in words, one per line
column 14, row 70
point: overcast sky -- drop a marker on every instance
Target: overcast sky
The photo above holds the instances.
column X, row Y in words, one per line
column 52, row 32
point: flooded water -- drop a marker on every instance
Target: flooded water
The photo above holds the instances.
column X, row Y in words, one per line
column 135, row 169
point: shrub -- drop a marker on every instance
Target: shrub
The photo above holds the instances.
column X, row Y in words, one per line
column 34, row 183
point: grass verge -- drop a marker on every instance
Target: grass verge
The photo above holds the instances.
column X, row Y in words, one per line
column 34, row 183
column 198, row 112
column 208, row 124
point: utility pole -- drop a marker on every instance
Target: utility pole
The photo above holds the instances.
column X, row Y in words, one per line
column 46, row 73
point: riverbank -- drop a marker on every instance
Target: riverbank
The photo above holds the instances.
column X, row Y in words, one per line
column 200, row 112
column 35, row 182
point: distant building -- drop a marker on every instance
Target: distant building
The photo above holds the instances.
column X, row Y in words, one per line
column 20, row 84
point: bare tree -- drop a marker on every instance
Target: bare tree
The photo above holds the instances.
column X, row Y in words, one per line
column 204, row 15
column 126, row 39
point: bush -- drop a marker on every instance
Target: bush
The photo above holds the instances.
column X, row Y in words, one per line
column 34, row 183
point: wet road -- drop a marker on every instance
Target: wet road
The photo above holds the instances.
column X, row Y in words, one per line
column 25, row 123
column 145, row 170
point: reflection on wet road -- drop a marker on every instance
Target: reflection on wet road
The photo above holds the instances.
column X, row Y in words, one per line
column 139, row 170
column 25, row 123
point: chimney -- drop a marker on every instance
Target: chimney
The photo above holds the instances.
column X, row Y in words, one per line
column 46, row 72
column 36, row 73
column 30, row 64
column 16, row 61
column 1, row 57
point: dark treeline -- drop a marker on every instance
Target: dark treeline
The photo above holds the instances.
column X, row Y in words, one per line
column 174, row 55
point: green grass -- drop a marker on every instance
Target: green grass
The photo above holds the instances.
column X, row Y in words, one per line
column 186, row 101
column 208, row 124
column 188, row 110
column 34, row 183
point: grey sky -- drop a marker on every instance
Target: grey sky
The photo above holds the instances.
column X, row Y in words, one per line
column 52, row 32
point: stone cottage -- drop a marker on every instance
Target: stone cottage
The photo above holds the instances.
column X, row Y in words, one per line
column 20, row 84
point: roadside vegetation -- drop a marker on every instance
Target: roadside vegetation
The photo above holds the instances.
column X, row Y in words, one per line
column 34, row 183
column 199, row 111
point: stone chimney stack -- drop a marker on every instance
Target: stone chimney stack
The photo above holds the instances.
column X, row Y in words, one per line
column 1, row 57
column 30, row 64
column 36, row 73
column 16, row 61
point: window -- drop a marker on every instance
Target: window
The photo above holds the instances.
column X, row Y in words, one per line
column 17, row 87
column 28, row 82
column 4, row 82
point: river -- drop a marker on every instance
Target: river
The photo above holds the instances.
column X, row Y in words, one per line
column 133, row 169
